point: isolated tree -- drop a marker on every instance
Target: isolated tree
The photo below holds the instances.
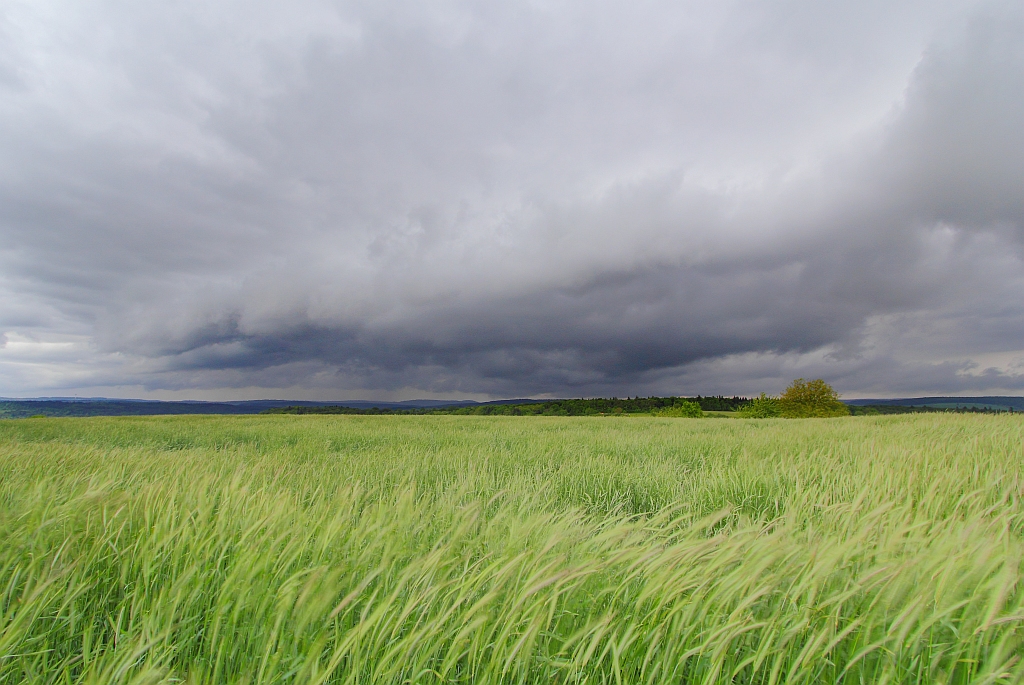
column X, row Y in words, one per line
column 763, row 407
column 805, row 399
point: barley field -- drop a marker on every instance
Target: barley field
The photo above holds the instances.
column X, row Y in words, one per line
column 447, row 549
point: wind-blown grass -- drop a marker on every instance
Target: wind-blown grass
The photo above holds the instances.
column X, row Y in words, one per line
column 324, row 549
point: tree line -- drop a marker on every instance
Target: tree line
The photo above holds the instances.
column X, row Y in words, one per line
column 802, row 399
column 568, row 407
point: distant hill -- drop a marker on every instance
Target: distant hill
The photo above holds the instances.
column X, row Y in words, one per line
column 16, row 408
column 991, row 402
column 98, row 406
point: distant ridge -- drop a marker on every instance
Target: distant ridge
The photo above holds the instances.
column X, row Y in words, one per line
column 993, row 402
column 17, row 408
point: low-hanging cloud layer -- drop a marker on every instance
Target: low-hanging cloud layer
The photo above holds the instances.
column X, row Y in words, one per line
column 475, row 199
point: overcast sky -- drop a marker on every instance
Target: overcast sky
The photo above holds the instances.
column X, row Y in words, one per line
column 392, row 199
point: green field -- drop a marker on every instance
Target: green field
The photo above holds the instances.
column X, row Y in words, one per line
column 424, row 549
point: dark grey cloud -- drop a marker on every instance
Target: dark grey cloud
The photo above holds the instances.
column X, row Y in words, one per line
column 479, row 199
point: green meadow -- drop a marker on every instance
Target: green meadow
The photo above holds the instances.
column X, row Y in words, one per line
column 459, row 549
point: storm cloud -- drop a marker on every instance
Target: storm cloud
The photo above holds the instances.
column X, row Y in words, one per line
column 471, row 199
